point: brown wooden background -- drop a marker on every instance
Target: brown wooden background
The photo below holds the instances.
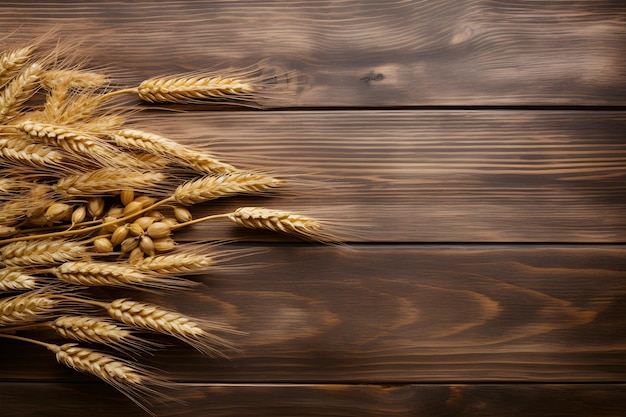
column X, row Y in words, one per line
column 477, row 151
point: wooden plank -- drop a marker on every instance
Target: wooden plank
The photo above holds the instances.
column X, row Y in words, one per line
column 428, row 176
column 358, row 53
column 399, row 314
column 536, row 400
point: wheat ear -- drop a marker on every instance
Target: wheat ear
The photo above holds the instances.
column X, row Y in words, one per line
column 28, row 307
column 276, row 220
column 191, row 89
column 93, row 273
column 210, row 187
column 174, row 264
column 18, row 90
column 127, row 377
column 23, row 151
column 151, row 317
column 14, row 278
column 11, row 62
column 68, row 139
column 158, row 145
column 100, row 330
column 41, row 252
column 108, row 181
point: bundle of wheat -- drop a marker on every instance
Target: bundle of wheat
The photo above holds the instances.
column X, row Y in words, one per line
column 86, row 200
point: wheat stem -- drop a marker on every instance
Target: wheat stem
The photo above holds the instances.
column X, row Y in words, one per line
column 27, row 339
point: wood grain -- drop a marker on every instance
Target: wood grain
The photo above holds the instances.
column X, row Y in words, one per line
column 357, row 53
column 385, row 314
column 537, row 400
column 427, row 176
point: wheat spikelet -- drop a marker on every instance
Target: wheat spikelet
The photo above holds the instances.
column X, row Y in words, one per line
column 276, row 220
column 193, row 88
column 158, row 145
column 127, row 377
column 41, row 252
column 14, row 278
column 28, row 307
column 99, row 330
column 20, row 150
column 11, row 62
column 20, row 89
column 68, row 139
column 154, row 318
column 108, row 181
column 109, row 274
column 178, row 263
column 210, row 187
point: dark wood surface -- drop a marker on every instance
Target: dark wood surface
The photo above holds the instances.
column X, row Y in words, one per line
column 473, row 154
column 304, row 400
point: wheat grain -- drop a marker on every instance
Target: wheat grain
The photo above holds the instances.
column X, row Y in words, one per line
column 151, row 317
column 192, row 88
column 276, row 220
column 28, row 307
column 20, row 89
column 127, row 377
column 160, row 146
column 41, row 252
column 175, row 264
column 14, row 278
column 91, row 273
column 108, row 181
column 11, row 62
column 210, row 187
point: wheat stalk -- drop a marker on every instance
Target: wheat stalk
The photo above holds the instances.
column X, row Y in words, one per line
column 210, row 187
column 91, row 273
column 158, row 145
column 41, row 252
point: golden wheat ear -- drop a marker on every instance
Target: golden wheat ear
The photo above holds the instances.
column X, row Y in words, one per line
column 200, row 334
column 102, row 331
column 139, row 384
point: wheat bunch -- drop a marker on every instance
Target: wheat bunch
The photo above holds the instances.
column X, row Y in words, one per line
column 86, row 201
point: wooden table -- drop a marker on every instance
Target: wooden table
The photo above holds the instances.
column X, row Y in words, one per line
column 476, row 152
